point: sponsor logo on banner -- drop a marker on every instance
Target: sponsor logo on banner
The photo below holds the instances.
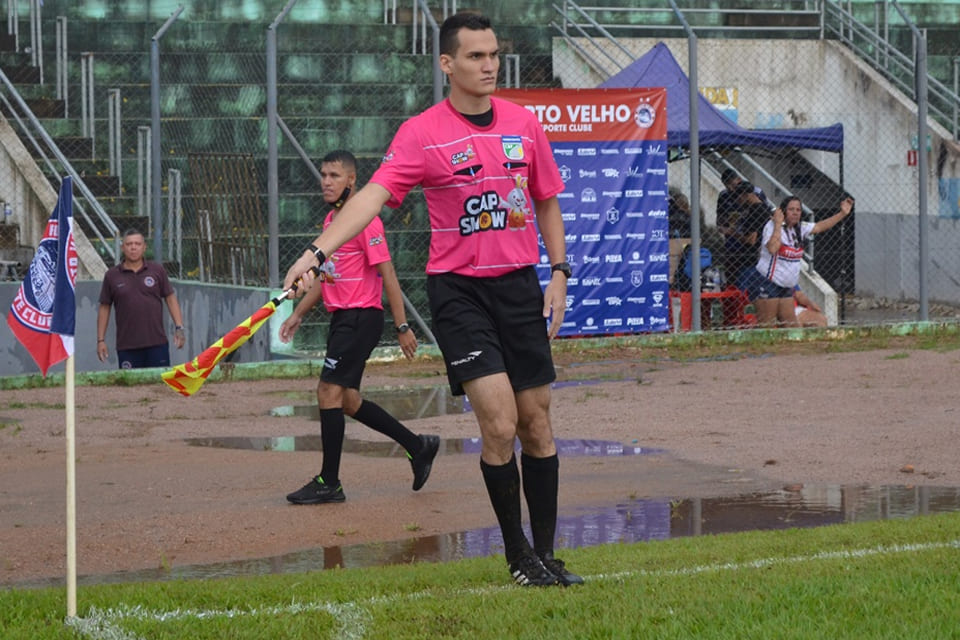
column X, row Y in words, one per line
column 635, row 193
column 613, row 216
column 633, row 150
column 636, row 277
column 613, row 258
column 612, row 194
column 566, row 173
column 613, row 301
column 591, row 282
column 644, row 115
column 611, row 173
column 659, row 277
column 590, row 302
column 659, row 257
column 586, row 151
column 657, row 150
column 637, row 300
column 658, row 298
column 591, row 259
column 609, row 152
column 563, row 152
column 588, row 174
column 569, row 302
column 634, row 322
column 613, row 322
column 658, row 213
column 588, row 195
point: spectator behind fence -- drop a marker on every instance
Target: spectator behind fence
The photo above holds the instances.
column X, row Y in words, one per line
column 772, row 284
column 740, row 250
column 137, row 289
column 809, row 313
column 727, row 201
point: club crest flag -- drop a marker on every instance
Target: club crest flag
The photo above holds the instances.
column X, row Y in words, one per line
column 188, row 377
column 43, row 313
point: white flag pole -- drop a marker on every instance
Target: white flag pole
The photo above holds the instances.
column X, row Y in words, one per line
column 71, row 493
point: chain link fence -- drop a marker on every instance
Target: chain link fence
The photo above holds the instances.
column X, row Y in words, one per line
column 348, row 79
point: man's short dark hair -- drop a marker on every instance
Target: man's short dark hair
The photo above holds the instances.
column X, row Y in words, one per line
column 452, row 25
column 132, row 232
column 344, row 157
column 728, row 175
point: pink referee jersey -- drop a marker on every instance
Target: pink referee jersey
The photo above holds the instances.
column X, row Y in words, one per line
column 479, row 182
column 350, row 277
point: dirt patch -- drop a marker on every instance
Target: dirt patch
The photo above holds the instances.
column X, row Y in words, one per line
column 145, row 499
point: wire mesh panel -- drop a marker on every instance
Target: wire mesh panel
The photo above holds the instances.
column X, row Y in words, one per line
column 231, row 234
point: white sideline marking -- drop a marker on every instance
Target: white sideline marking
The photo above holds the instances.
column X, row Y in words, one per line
column 354, row 617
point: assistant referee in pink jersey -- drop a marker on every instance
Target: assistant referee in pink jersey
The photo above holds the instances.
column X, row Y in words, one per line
column 490, row 181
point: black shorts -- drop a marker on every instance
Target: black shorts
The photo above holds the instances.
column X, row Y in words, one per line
column 491, row 325
column 353, row 335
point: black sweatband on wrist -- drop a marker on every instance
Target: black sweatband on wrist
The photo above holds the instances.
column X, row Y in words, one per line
column 317, row 253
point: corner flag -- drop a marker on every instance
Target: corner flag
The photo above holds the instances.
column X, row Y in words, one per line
column 43, row 313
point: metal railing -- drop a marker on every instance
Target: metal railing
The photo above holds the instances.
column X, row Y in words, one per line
column 32, row 131
column 896, row 66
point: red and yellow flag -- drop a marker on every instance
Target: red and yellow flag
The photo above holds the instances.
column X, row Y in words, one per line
column 188, row 377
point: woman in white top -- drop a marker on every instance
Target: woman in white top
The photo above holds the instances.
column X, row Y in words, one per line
column 781, row 254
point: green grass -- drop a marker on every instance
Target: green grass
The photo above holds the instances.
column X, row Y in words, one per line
column 883, row 579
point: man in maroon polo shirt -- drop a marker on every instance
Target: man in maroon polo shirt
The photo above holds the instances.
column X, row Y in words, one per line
column 138, row 289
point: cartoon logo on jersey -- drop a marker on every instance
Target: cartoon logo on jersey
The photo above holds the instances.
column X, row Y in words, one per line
column 466, row 155
column 512, row 147
column 388, row 156
column 519, row 209
column 328, row 272
column 375, row 241
column 149, row 281
column 483, row 213
column 644, row 115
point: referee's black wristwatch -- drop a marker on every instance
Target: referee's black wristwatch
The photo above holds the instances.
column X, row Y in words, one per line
column 403, row 328
column 562, row 267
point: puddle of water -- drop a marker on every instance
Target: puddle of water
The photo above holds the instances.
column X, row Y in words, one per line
column 448, row 446
column 415, row 402
column 634, row 521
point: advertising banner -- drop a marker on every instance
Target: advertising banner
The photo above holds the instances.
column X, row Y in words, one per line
column 610, row 146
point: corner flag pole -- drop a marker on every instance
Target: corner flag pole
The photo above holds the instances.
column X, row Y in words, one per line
column 71, row 491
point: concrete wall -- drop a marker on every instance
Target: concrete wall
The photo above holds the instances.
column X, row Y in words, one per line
column 209, row 311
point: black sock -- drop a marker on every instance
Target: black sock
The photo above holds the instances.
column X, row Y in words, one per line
column 374, row 416
column 332, row 428
column 503, row 486
column 540, row 482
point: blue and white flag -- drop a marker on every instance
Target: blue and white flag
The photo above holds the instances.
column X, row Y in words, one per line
column 43, row 314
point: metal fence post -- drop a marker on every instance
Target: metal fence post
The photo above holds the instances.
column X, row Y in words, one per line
column 157, row 178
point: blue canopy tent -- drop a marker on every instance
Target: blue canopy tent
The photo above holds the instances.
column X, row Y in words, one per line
column 658, row 68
